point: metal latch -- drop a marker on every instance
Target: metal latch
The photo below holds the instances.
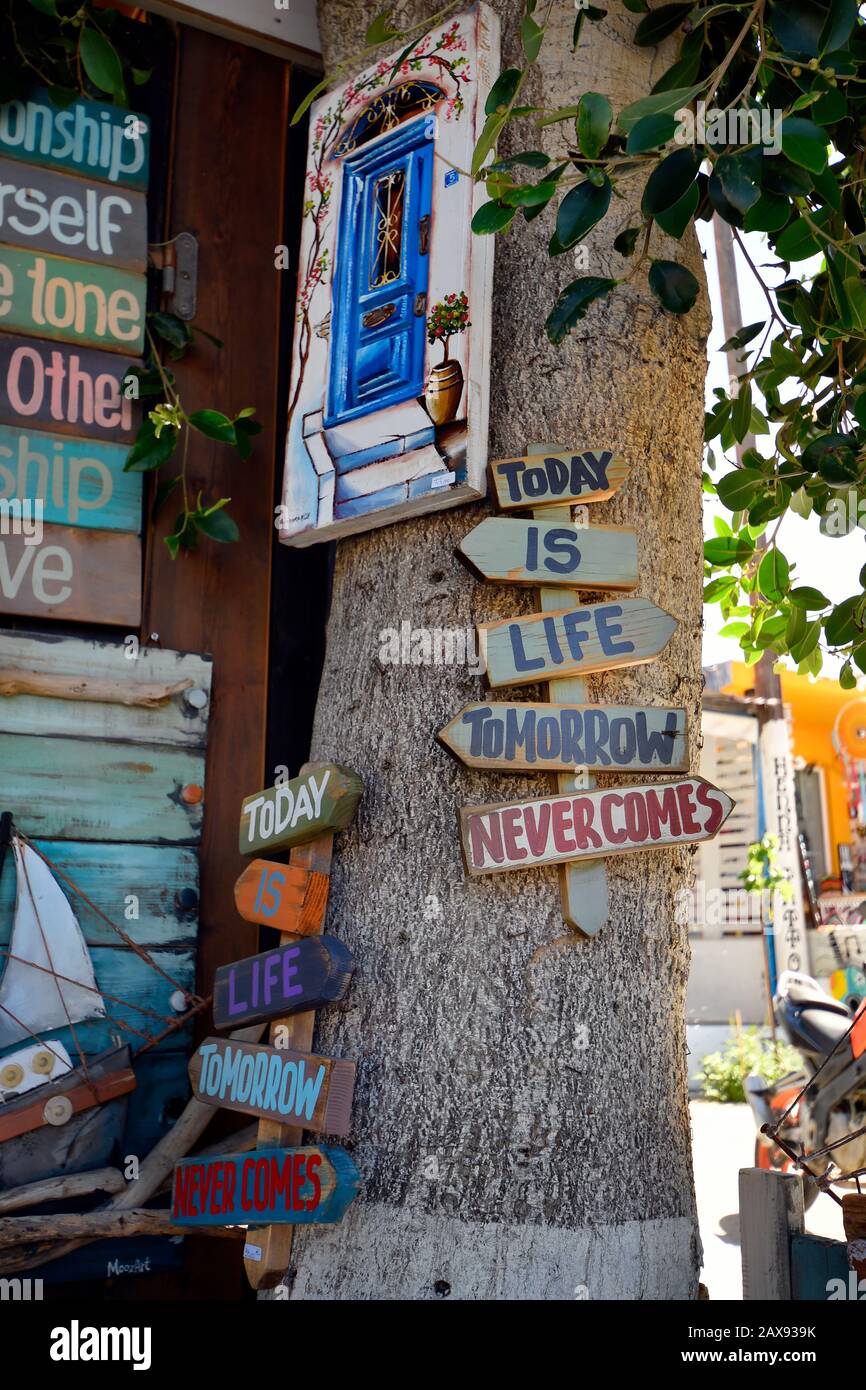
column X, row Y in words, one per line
column 420, row 305
column 424, row 235
column 180, row 274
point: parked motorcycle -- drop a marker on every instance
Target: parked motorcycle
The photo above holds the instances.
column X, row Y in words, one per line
column 834, row 1104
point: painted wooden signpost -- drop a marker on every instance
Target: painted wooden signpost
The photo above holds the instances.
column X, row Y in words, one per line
column 282, row 896
column 324, row 799
column 558, row 738
column 508, row 550
column 72, row 301
column 576, row 641
column 290, row 1087
column 295, row 1186
column 79, row 482
column 81, row 217
column 295, row 977
column 87, row 137
column 590, row 825
column 74, row 573
column 551, row 476
column 67, row 390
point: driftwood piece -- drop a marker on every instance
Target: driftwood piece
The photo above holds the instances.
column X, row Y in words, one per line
column 100, row 1225
column 67, row 687
column 33, row 1194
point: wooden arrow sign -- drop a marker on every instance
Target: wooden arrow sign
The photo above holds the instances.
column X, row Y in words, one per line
column 600, row 637
column 559, row 738
column 510, row 551
column 275, row 1084
column 590, row 825
column 291, row 979
column 540, row 480
column 298, row 1187
column 324, row 798
column 285, row 896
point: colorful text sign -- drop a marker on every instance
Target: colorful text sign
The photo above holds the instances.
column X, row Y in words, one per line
column 72, row 573
column 86, row 137
column 324, row 798
column 590, row 825
column 79, row 482
column 288, row 980
column 285, row 896
column 47, row 211
column 71, row 301
column 537, row 480
column 269, row 1186
column 71, row 390
column 600, row 637
column 510, row 551
column 293, row 1088
column 560, row 738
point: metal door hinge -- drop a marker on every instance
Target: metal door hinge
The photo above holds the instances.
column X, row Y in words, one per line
column 179, row 265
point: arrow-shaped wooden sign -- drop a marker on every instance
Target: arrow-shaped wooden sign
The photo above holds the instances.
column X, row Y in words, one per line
column 294, row 1088
column 324, row 798
column 285, row 896
column 293, row 978
column 600, row 637
column 511, row 551
column 297, row 1187
column 590, row 825
column 540, row 480
column 559, row 738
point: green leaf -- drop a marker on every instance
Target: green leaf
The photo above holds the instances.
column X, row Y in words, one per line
column 743, row 336
column 503, row 91
column 802, row 239
column 381, row 30
column 741, row 412
column 148, row 452
column 804, row 143
column 531, row 36
column 659, row 23
column 840, row 627
column 669, row 181
column 308, row 100
column 572, row 304
column 737, row 490
column 847, row 678
column 773, row 575
column 673, row 285
column 674, row 220
column 768, row 214
column 841, row 18
column 581, row 208
column 486, row 140
column 651, row 133
column 172, row 329
column 718, row 589
column 217, row 524
column 658, row 103
column 100, row 61
column 45, row 6
column 625, row 244
column 740, row 177
column 636, row 6
column 737, row 629
column 808, row 642
column 798, row 26
column 727, row 550
column 532, row 159
column 141, row 76
column 492, row 217
column 594, row 118
column 811, row 599
column 213, row 424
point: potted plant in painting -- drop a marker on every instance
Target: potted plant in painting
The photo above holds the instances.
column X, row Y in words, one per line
column 445, row 383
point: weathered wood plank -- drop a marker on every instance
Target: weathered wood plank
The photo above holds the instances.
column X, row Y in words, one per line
column 68, row 216
column 86, row 137
column 283, row 896
column 599, row 637
column 158, row 884
column 298, row 1186
column 65, row 789
column 293, row 1088
column 70, row 301
column 820, row 1272
column 539, row 480
column 181, row 720
column 323, row 799
column 79, row 482
column 67, row 390
column 33, row 1194
column 771, row 1214
column 507, row 550
column 75, row 574
column 296, row 976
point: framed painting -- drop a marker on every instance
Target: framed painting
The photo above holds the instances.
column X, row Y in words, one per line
column 388, row 396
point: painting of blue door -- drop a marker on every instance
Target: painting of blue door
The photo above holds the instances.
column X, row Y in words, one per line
column 382, row 269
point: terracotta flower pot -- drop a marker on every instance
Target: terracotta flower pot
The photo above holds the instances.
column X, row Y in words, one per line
column 444, row 389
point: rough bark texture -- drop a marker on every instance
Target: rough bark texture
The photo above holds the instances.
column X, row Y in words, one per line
column 521, row 1116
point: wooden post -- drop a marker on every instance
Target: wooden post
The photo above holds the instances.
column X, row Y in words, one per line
column 582, row 887
column 267, row 1251
column 771, row 1214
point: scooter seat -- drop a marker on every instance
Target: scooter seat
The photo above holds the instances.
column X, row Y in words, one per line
column 815, row 1027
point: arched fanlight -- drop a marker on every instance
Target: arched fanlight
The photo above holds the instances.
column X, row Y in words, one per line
column 385, row 111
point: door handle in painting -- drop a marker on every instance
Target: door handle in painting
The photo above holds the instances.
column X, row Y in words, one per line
column 379, row 315
column 420, row 308
column 424, row 235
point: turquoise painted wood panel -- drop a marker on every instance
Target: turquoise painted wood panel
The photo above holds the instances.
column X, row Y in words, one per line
column 180, row 720
column 86, row 789
column 163, row 879
column 815, row 1261
column 69, row 301
column 88, row 137
column 79, row 482
column 123, row 974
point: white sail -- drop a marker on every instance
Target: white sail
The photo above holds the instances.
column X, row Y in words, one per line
column 46, row 933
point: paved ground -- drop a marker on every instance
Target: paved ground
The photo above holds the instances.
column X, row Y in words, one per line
column 723, row 1138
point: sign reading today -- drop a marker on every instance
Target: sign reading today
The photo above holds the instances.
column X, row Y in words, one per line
column 590, row 825
column 560, row 738
column 323, row 799
column 50, row 297
column 85, row 137
column 538, row 480
column 266, row 1187
column 293, row 1088
column 48, row 211
column 510, row 551
column 71, row 390
column 291, row 979
column 600, row 637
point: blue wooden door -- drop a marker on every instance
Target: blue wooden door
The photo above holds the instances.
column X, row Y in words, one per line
column 381, row 273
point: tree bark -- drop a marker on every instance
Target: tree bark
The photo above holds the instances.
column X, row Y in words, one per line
column 521, row 1119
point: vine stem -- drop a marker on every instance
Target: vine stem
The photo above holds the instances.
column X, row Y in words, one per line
column 757, row 8
column 757, row 274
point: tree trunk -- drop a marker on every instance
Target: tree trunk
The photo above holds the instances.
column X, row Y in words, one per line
column 520, row 1118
